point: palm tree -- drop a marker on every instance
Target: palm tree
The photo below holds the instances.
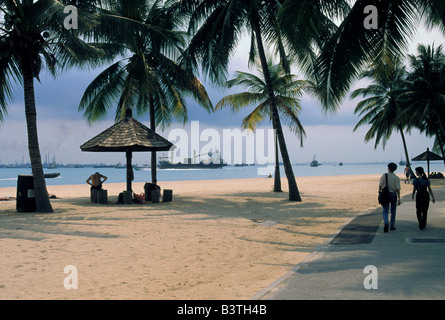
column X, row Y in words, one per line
column 381, row 110
column 425, row 94
column 424, row 97
column 216, row 26
column 149, row 79
column 32, row 36
column 287, row 89
column 348, row 48
column 430, row 128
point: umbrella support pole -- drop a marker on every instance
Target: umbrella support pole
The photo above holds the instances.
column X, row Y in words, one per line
column 130, row 176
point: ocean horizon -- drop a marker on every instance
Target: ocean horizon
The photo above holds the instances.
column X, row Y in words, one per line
column 75, row 176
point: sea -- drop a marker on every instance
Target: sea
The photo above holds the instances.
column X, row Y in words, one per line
column 72, row 175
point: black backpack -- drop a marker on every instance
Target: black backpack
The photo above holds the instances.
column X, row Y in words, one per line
column 384, row 195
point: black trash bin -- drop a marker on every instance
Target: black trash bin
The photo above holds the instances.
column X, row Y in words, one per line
column 148, row 188
column 26, row 200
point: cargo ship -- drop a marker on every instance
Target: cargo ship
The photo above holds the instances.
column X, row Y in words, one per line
column 190, row 163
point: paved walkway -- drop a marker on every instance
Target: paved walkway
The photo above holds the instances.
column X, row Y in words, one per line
column 409, row 263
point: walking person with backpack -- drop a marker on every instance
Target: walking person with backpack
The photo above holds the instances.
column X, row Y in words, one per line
column 422, row 186
column 391, row 181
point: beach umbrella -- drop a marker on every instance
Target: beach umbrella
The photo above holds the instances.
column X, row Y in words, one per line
column 127, row 135
column 427, row 156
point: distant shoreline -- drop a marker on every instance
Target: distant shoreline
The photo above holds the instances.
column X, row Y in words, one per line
column 83, row 190
column 75, row 176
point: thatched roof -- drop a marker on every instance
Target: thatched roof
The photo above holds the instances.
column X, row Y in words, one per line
column 427, row 155
column 127, row 135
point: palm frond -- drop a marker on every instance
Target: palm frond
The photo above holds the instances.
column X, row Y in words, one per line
column 103, row 92
column 253, row 119
column 237, row 101
column 353, row 46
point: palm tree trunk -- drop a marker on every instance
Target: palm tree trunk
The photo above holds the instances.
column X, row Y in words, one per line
column 41, row 195
column 294, row 194
column 405, row 148
column 153, row 153
column 441, row 128
column 439, row 139
column 440, row 123
column 408, row 163
column 277, row 178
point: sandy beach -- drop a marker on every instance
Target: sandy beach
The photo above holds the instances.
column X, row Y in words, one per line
column 221, row 239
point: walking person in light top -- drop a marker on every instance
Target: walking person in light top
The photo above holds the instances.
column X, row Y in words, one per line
column 394, row 189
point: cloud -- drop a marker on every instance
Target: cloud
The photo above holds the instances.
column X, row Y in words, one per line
column 331, row 143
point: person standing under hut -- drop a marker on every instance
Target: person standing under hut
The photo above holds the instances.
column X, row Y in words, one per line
column 394, row 190
column 422, row 186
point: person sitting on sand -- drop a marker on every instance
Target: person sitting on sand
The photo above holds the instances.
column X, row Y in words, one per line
column 97, row 180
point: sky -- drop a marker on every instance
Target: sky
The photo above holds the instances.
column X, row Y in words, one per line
column 62, row 128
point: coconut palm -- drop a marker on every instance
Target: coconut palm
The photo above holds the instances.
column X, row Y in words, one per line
column 430, row 128
column 33, row 37
column 349, row 49
column 381, row 109
column 217, row 26
column 147, row 78
column 287, row 91
column 425, row 96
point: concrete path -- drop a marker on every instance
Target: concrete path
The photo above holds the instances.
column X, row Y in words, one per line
column 363, row 262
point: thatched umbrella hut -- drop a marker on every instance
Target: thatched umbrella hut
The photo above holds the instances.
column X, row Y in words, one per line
column 427, row 156
column 127, row 135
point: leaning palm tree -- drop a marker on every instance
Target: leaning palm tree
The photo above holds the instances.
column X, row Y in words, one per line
column 33, row 36
column 287, row 89
column 216, row 27
column 147, row 78
column 381, row 109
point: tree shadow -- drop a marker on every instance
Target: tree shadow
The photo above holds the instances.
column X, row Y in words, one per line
column 73, row 215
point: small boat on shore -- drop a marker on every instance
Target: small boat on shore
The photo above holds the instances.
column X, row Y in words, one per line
column 51, row 175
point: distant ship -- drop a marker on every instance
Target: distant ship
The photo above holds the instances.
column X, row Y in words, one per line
column 241, row 165
column 145, row 167
column 402, row 162
column 189, row 164
column 52, row 166
column 314, row 163
column 120, row 166
column 102, row 165
column 168, row 165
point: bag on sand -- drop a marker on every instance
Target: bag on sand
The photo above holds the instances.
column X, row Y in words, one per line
column 384, row 195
